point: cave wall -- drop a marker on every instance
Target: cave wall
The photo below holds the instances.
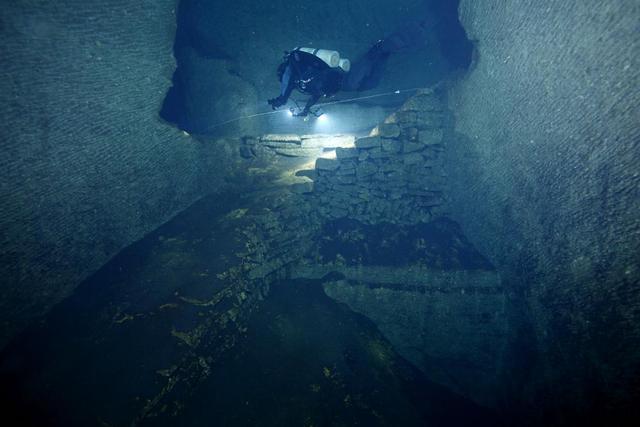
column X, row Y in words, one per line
column 86, row 164
column 544, row 179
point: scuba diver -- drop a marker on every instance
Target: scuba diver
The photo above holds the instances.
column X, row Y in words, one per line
column 320, row 73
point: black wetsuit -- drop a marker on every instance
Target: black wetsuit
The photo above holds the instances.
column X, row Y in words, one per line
column 312, row 76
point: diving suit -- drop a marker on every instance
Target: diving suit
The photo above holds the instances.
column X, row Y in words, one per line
column 317, row 73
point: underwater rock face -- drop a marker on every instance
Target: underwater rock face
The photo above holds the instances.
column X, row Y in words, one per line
column 86, row 165
column 544, row 180
column 452, row 326
column 148, row 330
column 433, row 296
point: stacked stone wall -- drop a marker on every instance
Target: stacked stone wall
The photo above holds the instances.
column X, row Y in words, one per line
column 395, row 175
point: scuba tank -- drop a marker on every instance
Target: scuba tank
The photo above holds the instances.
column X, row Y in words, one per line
column 329, row 57
column 345, row 64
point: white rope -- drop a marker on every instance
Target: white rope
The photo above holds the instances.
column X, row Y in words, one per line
column 342, row 101
column 395, row 92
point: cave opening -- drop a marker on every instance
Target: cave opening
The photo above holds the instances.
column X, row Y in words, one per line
column 218, row 80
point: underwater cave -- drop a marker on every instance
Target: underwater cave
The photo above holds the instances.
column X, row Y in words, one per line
column 409, row 213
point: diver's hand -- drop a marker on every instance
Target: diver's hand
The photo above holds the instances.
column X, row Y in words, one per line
column 277, row 102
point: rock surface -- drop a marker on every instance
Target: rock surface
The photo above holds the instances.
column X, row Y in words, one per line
column 87, row 167
column 544, row 175
column 452, row 326
column 175, row 334
column 151, row 326
column 436, row 299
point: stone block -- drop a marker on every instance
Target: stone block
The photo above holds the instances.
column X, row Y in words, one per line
column 433, row 150
column 410, row 133
column 379, row 176
column 391, row 145
column 388, row 130
column 379, row 154
column 404, row 117
column 302, row 187
column 328, row 141
column 423, row 102
column 431, row 137
column 410, row 147
column 347, row 153
column 347, row 189
column 309, row 173
column 349, row 170
column 346, row 179
column 280, row 144
column 297, row 152
column 281, row 138
column 413, row 159
column 394, row 166
column 327, row 164
column 366, row 169
column 368, row 142
column 364, row 195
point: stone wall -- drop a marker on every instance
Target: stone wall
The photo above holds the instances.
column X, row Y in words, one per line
column 86, row 167
column 544, row 179
column 395, row 175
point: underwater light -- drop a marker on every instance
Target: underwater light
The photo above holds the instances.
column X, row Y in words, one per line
column 290, row 113
column 323, row 118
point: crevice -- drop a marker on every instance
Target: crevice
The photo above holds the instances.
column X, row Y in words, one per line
column 455, row 46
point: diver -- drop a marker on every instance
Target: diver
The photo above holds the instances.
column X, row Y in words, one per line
column 322, row 73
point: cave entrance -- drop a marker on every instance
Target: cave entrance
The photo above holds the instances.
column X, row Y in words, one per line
column 226, row 67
